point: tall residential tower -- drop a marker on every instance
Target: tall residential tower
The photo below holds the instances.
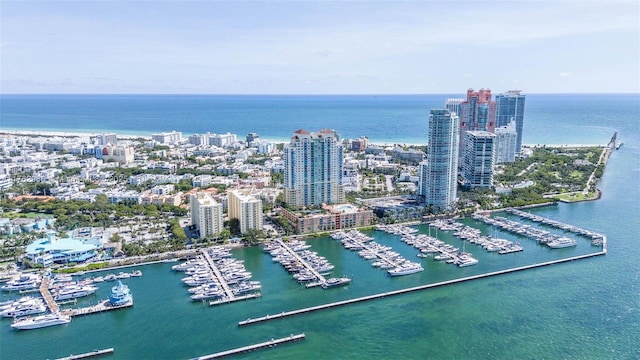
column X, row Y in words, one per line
column 246, row 208
column 206, row 214
column 313, row 169
column 438, row 174
column 478, row 157
column 510, row 107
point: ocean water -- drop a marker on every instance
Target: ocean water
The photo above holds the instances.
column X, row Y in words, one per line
column 549, row 119
column 586, row 309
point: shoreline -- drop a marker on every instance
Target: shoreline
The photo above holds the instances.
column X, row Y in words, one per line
column 80, row 134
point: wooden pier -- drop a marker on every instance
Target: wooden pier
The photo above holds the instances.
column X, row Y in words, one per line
column 262, row 345
column 104, row 305
column 412, row 289
column 88, row 354
column 46, row 295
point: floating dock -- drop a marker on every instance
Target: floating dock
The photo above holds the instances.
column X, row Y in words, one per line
column 244, row 349
column 88, row 354
column 104, row 305
column 226, row 300
column 250, row 321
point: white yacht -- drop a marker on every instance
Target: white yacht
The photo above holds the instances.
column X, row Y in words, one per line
column 207, row 294
column 41, row 321
column 24, row 282
column 74, row 291
column 466, row 260
column 13, row 303
column 405, row 270
column 561, row 243
column 30, row 308
column 333, row 282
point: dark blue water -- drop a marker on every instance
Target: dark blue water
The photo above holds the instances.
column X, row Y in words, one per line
column 550, row 119
column 587, row 309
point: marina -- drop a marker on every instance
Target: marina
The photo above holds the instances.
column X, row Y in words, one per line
column 306, row 266
column 262, row 345
column 429, row 245
column 283, row 314
column 381, row 256
column 553, row 241
column 216, row 277
column 596, row 238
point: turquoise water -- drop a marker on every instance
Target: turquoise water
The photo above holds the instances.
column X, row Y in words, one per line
column 586, row 309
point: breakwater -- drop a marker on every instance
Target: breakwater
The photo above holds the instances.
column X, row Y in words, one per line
column 262, row 345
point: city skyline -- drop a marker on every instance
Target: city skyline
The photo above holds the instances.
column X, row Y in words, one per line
column 318, row 48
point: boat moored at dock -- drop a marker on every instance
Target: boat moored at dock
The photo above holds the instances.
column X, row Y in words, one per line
column 41, row 321
column 333, row 282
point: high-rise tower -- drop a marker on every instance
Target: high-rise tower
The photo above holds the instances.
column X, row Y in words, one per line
column 313, row 169
column 246, row 208
column 510, row 106
column 477, row 113
column 206, row 214
column 479, row 154
column 438, row 174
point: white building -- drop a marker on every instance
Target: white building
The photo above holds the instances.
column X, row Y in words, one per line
column 438, row 174
column 108, row 139
column 506, row 143
column 206, row 214
column 246, row 208
column 173, row 137
column 222, row 140
column 313, row 169
column 479, row 153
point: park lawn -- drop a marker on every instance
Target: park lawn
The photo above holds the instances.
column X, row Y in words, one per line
column 30, row 215
column 579, row 196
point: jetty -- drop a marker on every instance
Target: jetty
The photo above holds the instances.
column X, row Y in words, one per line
column 88, row 354
column 46, row 295
column 262, row 345
column 283, row 314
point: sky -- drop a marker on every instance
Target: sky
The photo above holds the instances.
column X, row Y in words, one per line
column 318, row 47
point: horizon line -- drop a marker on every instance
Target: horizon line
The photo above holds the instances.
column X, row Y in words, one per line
column 314, row 94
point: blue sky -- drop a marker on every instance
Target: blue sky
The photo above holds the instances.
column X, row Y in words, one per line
column 314, row 47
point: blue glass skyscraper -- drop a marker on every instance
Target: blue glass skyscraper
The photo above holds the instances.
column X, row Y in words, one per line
column 510, row 106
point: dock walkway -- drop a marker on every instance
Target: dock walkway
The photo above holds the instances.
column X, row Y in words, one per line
column 46, row 295
column 244, row 349
column 221, row 280
column 104, row 305
column 250, row 321
column 226, row 300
